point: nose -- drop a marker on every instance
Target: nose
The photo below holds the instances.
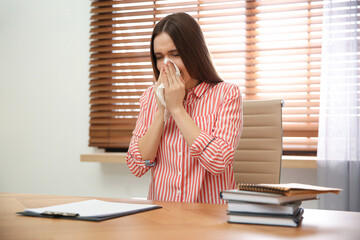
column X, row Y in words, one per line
column 163, row 60
column 166, row 60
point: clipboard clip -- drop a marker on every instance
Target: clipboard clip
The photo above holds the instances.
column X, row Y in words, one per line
column 59, row 214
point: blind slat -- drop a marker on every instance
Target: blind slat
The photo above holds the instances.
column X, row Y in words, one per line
column 270, row 48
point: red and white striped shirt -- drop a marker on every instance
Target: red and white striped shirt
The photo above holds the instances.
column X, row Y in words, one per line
column 199, row 172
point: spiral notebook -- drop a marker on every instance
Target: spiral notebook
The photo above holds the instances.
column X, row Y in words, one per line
column 287, row 189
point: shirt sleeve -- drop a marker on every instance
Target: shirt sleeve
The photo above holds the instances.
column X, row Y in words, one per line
column 133, row 158
column 215, row 151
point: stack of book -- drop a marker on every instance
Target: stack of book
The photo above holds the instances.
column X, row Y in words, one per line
column 270, row 204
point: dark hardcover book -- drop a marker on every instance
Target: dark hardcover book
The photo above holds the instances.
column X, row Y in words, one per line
column 267, row 219
column 288, row 209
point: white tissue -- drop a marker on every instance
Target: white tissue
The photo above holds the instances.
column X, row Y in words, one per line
column 160, row 94
column 160, row 89
column 177, row 71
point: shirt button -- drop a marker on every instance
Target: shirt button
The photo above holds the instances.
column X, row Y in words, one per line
column 179, row 173
column 178, row 192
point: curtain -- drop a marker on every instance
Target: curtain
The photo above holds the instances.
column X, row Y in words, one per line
column 339, row 124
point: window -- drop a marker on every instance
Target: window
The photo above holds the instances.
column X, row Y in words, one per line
column 271, row 48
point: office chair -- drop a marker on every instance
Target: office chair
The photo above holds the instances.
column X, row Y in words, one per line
column 258, row 155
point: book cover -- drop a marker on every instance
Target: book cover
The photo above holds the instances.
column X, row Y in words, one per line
column 287, row 189
column 267, row 219
column 287, row 209
column 262, row 197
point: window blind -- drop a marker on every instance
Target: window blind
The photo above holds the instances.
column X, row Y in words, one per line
column 270, row 48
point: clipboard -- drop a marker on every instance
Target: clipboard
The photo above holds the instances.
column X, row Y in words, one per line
column 89, row 210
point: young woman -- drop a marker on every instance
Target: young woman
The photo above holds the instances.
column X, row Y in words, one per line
column 190, row 153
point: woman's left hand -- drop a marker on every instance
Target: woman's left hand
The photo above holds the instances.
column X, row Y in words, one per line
column 174, row 88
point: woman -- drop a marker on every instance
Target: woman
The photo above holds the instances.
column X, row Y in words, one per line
column 191, row 153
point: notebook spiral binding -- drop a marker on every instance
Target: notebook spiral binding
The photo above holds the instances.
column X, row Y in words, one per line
column 257, row 188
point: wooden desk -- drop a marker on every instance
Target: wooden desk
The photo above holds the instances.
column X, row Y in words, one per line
column 174, row 221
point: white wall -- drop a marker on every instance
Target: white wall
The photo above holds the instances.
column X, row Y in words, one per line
column 44, row 109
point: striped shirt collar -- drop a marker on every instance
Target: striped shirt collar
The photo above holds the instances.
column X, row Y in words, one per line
column 200, row 89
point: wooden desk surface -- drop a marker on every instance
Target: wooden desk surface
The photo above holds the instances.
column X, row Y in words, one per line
column 174, row 221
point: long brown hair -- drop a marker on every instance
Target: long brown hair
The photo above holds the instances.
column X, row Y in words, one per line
column 190, row 43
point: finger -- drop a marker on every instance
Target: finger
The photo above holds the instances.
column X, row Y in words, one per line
column 176, row 79
column 173, row 73
column 161, row 76
column 165, row 79
column 180, row 81
column 172, row 69
column 171, row 80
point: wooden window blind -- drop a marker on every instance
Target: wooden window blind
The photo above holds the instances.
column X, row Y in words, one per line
column 270, row 48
